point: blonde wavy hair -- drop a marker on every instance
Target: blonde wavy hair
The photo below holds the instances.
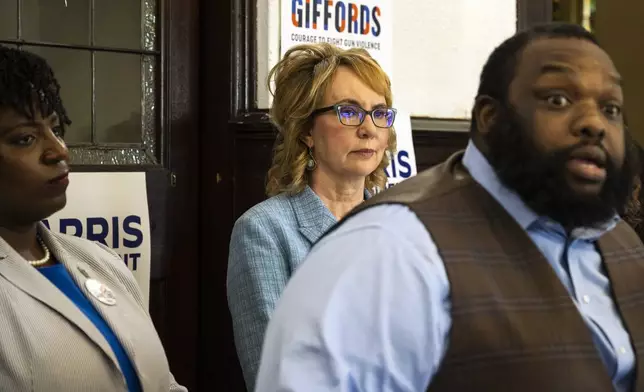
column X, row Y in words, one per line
column 301, row 79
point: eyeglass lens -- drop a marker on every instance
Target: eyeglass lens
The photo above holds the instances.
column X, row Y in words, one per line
column 353, row 115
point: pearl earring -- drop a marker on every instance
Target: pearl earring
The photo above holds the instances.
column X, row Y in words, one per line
column 311, row 164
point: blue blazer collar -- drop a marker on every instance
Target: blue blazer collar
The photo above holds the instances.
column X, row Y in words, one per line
column 313, row 217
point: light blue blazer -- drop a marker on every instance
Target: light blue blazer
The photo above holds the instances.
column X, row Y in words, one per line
column 268, row 243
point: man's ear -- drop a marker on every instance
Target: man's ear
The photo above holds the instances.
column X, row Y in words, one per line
column 486, row 110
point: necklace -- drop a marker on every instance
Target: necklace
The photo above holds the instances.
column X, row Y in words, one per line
column 45, row 259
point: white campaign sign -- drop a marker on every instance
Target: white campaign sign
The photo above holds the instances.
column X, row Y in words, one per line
column 111, row 208
column 403, row 162
column 364, row 24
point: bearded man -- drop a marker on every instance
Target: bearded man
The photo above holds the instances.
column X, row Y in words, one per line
column 506, row 268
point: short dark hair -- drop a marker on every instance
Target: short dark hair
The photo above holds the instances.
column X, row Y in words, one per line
column 500, row 68
column 27, row 83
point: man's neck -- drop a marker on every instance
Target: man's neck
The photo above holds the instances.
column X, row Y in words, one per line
column 339, row 196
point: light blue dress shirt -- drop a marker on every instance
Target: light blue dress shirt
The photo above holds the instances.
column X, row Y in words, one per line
column 369, row 309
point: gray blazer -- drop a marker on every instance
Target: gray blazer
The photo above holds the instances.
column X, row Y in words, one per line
column 48, row 344
column 268, row 243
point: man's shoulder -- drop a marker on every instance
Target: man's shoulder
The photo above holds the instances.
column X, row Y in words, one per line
column 623, row 236
column 430, row 184
column 393, row 220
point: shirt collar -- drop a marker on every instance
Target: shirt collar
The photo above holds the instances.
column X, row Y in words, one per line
column 483, row 173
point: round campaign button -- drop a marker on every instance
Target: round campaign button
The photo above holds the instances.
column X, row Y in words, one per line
column 100, row 291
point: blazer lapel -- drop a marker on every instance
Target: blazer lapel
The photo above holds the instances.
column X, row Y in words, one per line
column 313, row 217
column 80, row 264
column 16, row 270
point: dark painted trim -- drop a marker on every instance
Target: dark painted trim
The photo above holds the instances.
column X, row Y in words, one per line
column 533, row 12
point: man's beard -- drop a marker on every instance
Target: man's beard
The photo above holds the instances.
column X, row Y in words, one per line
column 539, row 177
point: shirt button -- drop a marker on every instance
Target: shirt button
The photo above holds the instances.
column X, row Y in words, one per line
column 586, row 299
column 622, row 350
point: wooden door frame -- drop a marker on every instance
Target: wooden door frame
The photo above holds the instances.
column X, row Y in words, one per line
column 179, row 311
column 218, row 365
column 533, row 12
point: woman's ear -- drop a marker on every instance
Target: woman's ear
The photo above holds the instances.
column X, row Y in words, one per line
column 308, row 139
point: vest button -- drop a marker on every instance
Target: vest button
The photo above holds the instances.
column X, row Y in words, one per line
column 586, row 299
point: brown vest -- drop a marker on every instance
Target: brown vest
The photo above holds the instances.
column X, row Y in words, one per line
column 514, row 326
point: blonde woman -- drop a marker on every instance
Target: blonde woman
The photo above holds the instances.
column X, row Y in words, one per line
column 332, row 108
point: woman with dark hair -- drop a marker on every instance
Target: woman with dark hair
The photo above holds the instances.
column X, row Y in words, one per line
column 72, row 316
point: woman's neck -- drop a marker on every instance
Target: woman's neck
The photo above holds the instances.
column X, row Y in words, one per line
column 340, row 197
column 23, row 239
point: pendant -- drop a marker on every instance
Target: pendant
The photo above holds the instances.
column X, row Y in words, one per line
column 100, row 291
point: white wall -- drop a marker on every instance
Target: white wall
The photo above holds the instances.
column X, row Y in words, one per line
column 268, row 46
column 440, row 47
